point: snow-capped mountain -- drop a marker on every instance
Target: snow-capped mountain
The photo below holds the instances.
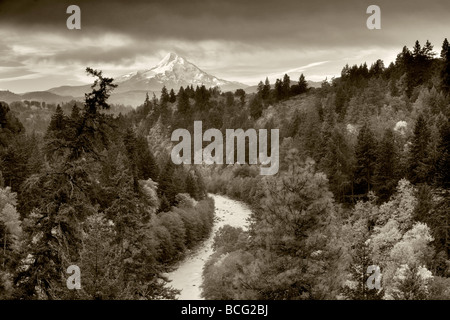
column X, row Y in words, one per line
column 173, row 71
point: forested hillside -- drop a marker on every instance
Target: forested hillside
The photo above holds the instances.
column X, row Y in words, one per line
column 91, row 193
column 363, row 181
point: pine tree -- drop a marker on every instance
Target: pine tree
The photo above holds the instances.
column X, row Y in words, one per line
column 202, row 97
column 167, row 187
column 147, row 105
column 163, row 106
column 132, row 270
column 377, row 68
column 418, row 167
column 427, row 51
column 337, row 163
column 172, row 96
column 442, row 172
column 265, row 94
column 58, row 120
column 91, row 132
column 302, row 84
column 445, row 72
column 240, row 93
column 260, row 88
column 146, row 162
column 130, row 143
column 286, row 85
column 183, row 102
column 75, row 114
column 359, row 289
column 385, row 179
column 417, row 50
column 291, row 215
column 164, row 98
column 445, row 48
column 58, row 199
column 256, row 107
column 279, row 93
column 365, row 153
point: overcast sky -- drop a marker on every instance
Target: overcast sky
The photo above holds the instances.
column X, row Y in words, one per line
column 232, row 39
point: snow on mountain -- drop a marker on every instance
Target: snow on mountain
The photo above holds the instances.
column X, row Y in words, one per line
column 173, row 71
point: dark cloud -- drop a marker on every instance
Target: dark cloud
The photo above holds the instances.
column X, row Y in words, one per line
column 317, row 23
column 229, row 38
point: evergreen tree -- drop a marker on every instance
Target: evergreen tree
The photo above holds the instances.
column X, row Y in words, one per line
column 183, row 102
column 286, row 85
column 302, row 84
column 337, row 163
column 279, row 93
column 91, row 132
column 427, row 50
column 147, row 105
column 202, row 97
column 265, row 93
column 365, row 154
column 57, row 201
column 377, row 68
column 164, row 98
column 146, row 162
column 445, row 72
column 260, row 88
column 445, row 48
column 172, row 96
column 75, row 114
column 284, row 233
column 358, row 289
column 443, row 174
column 418, row 167
column 385, row 179
column 417, row 50
column 167, row 188
column 163, row 106
column 256, row 107
column 130, row 142
column 58, row 120
column 241, row 94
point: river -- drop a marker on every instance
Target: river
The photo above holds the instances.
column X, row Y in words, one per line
column 187, row 277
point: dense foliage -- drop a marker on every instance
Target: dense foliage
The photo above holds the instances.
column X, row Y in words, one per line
column 91, row 193
column 363, row 181
column 380, row 138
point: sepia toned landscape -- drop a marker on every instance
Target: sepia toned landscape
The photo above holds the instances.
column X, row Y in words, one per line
column 222, row 150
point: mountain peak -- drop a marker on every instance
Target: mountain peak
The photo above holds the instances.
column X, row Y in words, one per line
column 170, row 57
column 172, row 71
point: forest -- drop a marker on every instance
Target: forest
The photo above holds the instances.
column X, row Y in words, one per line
column 363, row 180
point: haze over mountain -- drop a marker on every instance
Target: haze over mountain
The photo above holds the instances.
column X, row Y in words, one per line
column 173, row 71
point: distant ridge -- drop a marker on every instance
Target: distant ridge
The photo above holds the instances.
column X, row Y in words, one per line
column 173, row 71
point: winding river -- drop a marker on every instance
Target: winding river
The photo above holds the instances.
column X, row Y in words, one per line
column 187, row 277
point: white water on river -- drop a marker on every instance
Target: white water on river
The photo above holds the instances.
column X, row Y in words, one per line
column 187, row 277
